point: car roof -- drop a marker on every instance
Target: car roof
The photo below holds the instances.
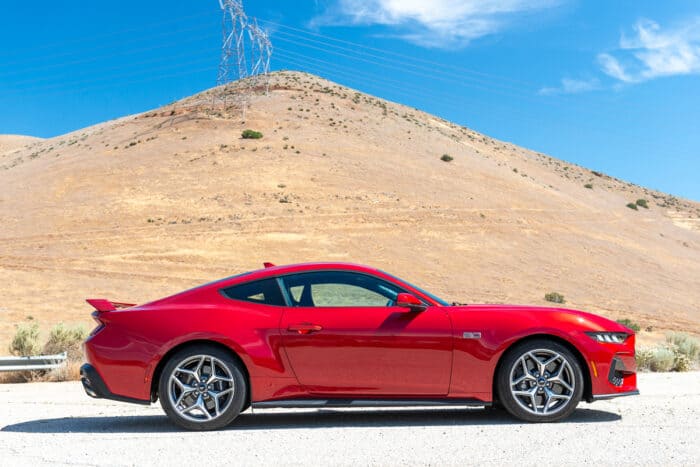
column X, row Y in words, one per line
column 274, row 271
column 301, row 267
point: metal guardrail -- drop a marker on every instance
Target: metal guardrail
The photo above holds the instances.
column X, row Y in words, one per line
column 39, row 362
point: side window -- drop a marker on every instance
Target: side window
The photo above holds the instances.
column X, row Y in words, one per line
column 339, row 289
column 265, row 292
column 346, row 295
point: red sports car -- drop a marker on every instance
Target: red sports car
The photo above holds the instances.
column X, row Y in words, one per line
column 334, row 334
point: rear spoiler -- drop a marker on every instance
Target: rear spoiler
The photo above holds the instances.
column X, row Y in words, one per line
column 102, row 304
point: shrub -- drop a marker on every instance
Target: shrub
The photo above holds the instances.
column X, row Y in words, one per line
column 682, row 362
column 632, row 206
column 630, row 324
column 588, row 185
column 685, row 344
column 446, row 158
column 66, row 339
column 662, row 359
column 643, row 357
column 554, row 297
column 251, row 134
column 679, row 353
column 642, row 203
column 26, row 340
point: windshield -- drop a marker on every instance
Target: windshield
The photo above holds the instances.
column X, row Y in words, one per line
column 424, row 292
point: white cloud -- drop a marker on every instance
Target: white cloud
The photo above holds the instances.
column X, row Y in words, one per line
column 612, row 67
column 572, row 86
column 648, row 54
column 653, row 53
column 434, row 23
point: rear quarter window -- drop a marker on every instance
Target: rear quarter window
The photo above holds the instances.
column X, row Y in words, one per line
column 264, row 292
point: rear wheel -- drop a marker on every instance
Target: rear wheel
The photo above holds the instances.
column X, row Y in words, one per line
column 202, row 388
column 540, row 381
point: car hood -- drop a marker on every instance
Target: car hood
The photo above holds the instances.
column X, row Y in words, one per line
column 579, row 318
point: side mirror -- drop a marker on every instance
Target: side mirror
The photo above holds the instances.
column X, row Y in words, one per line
column 410, row 301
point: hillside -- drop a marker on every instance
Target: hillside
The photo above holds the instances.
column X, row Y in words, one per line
column 144, row 206
column 12, row 143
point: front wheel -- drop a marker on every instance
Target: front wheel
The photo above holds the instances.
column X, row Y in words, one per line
column 202, row 388
column 540, row 381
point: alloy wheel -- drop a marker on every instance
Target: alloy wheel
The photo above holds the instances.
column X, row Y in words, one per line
column 201, row 388
column 542, row 382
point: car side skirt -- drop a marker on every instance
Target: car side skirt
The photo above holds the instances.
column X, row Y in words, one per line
column 601, row 397
column 326, row 403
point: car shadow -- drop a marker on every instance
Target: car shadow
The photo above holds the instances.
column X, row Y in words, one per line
column 296, row 420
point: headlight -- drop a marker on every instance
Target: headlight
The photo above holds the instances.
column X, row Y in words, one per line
column 609, row 337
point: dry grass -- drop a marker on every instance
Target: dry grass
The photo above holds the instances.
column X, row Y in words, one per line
column 68, row 372
column 61, row 339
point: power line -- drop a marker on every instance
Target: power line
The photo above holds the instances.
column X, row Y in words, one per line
column 307, row 62
column 94, row 38
column 117, row 76
column 72, row 74
column 96, row 58
column 108, row 85
column 399, row 62
column 408, row 69
column 397, row 87
column 399, row 55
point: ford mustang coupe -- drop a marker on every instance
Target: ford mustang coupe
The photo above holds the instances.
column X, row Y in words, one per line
column 344, row 335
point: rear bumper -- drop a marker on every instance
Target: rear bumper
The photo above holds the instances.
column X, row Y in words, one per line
column 95, row 386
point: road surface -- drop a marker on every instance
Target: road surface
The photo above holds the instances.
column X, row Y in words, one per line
column 57, row 424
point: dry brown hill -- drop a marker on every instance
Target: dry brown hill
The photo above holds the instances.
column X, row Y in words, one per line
column 12, row 143
column 144, row 206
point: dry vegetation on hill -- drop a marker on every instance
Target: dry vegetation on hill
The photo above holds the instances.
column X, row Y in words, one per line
column 146, row 205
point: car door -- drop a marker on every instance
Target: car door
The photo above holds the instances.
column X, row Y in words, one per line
column 344, row 336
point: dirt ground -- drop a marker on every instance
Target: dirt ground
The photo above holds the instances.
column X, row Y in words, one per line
column 144, row 206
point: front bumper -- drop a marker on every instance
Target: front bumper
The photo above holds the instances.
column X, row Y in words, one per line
column 95, row 386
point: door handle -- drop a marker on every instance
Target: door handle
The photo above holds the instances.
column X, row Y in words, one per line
column 304, row 328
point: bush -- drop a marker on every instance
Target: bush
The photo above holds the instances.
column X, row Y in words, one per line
column 662, row 359
column 554, row 297
column 251, row 134
column 446, row 158
column 66, row 339
column 679, row 353
column 684, row 344
column 632, row 206
column 588, row 185
column 682, row 362
column 642, row 203
column 630, row 324
column 643, row 357
column 26, row 340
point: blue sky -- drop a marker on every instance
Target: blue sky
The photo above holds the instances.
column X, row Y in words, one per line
column 613, row 86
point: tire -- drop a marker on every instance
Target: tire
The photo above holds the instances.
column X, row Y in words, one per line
column 538, row 397
column 193, row 396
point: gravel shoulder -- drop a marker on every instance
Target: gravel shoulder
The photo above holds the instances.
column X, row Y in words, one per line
column 57, row 424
